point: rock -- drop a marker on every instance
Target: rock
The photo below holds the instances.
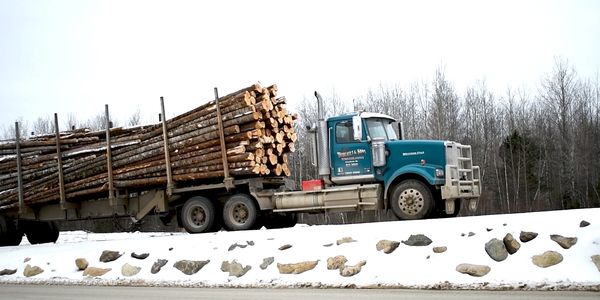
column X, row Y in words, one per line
column 440, row 249
column 236, row 245
column 417, row 240
column 250, row 243
column 95, row 272
column 489, row 229
column 584, row 223
column 108, row 256
column 190, row 267
column 267, row 262
column 171, row 249
column 8, row 272
column 27, row 259
column 512, row 245
column 140, row 256
column 328, row 245
column 473, row 270
column 297, row 268
column 129, row 270
column 547, row 259
column 345, row 240
column 30, row 271
column 471, row 234
column 565, row 242
column 387, row 246
column 285, row 247
column 348, row 271
column 158, row 264
column 496, row 250
column 234, row 268
column 595, row 260
column 527, row 236
column 337, row 262
column 81, row 264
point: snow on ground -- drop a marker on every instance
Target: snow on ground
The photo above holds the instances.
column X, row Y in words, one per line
column 407, row 266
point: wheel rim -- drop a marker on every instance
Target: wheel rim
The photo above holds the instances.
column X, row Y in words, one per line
column 240, row 213
column 198, row 216
column 411, row 201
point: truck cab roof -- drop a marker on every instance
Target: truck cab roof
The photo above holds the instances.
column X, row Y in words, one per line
column 362, row 114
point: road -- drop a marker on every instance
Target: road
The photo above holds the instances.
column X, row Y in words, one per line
column 38, row 292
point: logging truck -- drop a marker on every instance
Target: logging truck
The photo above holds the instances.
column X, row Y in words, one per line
column 362, row 160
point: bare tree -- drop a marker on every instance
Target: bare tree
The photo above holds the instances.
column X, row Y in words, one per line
column 135, row 118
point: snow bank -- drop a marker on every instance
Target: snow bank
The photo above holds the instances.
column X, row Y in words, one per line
column 407, row 266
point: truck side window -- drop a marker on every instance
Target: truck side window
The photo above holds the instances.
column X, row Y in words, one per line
column 344, row 132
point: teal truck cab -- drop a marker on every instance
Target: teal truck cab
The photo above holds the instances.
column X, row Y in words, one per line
column 363, row 164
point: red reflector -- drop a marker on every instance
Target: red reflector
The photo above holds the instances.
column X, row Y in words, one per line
column 312, row 185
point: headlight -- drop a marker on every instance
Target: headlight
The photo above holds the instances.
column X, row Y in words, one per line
column 439, row 173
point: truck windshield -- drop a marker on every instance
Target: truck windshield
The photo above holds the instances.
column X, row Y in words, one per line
column 381, row 128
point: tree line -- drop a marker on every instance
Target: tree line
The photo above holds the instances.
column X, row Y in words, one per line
column 537, row 150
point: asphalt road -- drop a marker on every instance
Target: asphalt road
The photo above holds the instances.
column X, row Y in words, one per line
column 39, row 292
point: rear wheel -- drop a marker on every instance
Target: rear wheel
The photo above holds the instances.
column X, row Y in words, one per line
column 40, row 232
column 198, row 215
column 275, row 220
column 411, row 200
column 240, row 212
column 9, row 234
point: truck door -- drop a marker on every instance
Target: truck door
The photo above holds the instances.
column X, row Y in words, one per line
column 351, row 160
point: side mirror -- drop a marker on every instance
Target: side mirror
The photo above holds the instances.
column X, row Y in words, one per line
column 357, row 127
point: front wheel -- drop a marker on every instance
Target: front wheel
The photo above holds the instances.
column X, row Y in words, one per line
column 198, row 215
column 240, row 212
column 41, row 232
column 411, row 200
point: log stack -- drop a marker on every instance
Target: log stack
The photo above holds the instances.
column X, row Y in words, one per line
column 258, row 134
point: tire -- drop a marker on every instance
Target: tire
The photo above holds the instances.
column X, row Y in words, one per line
column 411, row 200
column 240, row 212
column 276, row 221
column 40, row 232
column 9, row 233
column 198, row 215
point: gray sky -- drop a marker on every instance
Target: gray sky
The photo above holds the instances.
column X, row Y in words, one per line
column 75, row 56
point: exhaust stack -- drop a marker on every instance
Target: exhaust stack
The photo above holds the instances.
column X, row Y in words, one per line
column 322, row 142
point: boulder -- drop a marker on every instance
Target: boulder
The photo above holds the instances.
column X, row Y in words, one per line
column 496, row 250
column 267, row 262
column 285, row 247
column 234, row 268
column 129, row 270
column 584, row 223
column 190, row 267
column 595, row 260
column 417, row 240
column 348, row 271
column 158, row 264
column 565, row 242
column 108, row 256
column 297, row 268
column 337, row 262
column 473, row 270
column 95, row 272
column 512, row 245
column 527, row 236
column 387, row 246
column 441, row 249
column 140, row 256
column 345, row 240
column 236, row 245
column 8, row 272
column 81, row 264
column 30, row 271
column 547, row 259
